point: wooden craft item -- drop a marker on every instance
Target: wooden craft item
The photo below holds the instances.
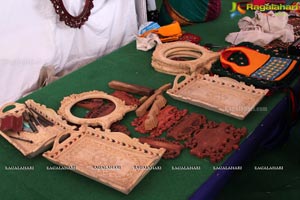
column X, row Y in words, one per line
column 105, row 121
column 142, row 109
column 139, row 124
column 215, row 141
column 101, row 111
column 187, row 126
column 70, row 20
column 167, row 117
column 173, row 148
column 111, row 158
column 151, row 120
column 143, row 99
column 131, row 88
column 11, row 123
column 28, row 143
column 190, row 37
column 196, row 58
column 129, row 99
column 223, row 95
column 118, row 127
column 90, row 104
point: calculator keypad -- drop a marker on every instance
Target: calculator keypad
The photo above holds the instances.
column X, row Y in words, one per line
column 272, row 69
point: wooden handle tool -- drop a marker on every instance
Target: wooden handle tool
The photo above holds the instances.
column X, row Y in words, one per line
column 131, row 88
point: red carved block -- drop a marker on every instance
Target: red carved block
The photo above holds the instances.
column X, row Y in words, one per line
column 138, row 123
column 11, row 123
column 129, row 99
column 167, row 117
column 173, row 149
column 90, row 104
column 190, row 38
column 117, row 127
column 186, row 126
column 215, row 141
column 101, row 111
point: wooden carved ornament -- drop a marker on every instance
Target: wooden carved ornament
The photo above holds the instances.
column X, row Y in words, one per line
column 70, row 20
column 187, row 126
column 167, row 117
column 215, row 141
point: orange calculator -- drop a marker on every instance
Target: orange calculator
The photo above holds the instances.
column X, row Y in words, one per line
column 259, row 65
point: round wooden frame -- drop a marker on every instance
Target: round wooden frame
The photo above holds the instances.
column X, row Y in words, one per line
column 70, row 20
column 68, row 102
column 163, row 54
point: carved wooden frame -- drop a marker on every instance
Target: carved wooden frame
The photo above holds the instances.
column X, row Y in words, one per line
column 68, row 102
column 111, row 158
column 70, row 20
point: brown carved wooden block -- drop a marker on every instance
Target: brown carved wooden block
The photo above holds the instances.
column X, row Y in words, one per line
column 186, row 126
column 173, row 148
column 101, row 111
column 90, row 104
column 215, row 141
column 117, row 127
column 12, row 123
column 129, row 99
column 167, row 117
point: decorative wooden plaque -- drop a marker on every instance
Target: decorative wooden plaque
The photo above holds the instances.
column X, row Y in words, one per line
column 36, row 142
column 111, row 158
column 220, row 94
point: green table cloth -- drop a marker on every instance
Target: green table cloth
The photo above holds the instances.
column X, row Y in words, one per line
column 128, row 65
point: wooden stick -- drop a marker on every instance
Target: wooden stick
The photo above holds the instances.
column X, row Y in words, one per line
column 140, row 111
column 21, row 139
column 151, row 121
column 27, row 119
column 131, row 88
